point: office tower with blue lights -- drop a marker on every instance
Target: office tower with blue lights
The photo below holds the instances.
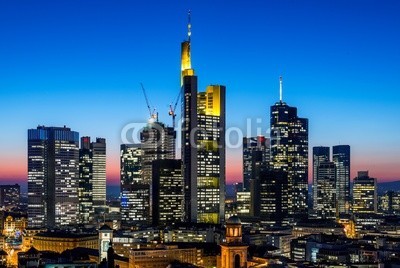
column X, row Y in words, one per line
column 253, row 146
column 341, row 158
column 53, row 176
column 289, row 154
column 92, row 178
column 203, row 144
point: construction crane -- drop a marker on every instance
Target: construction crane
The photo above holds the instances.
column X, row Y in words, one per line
column 172, row 110
column 152, row 113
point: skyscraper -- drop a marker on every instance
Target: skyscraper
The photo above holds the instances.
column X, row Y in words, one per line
column 167, row 192
column 158, row 142
column 86, row 210
column 320, row 155
column 251, row 146
column 289, row 153
column 92, row 177
column 135, row 194
column 365, row 194
column 269, row 194
column 211, row 155
column 53, row 176
column 341, row 158
column 203, row 145
column 325, row 203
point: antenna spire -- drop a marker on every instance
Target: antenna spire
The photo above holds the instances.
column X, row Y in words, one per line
column 189, row 25
column 280, row 88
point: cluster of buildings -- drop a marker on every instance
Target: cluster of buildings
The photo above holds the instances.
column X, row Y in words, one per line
column 174, row 212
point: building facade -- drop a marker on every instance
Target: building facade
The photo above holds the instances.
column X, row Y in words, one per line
column 365, row 194
column 135, row 194
column 203, row 145
column 167, row 192
column 326, row 191
column 9, row 196
column 289, row 153
column 252, row 147
column 341, row 158
column 53, row 176
column 92, row 177
column 320, row 155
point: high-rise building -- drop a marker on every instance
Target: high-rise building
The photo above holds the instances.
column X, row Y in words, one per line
column 167, row 192
column 289, row 153
column 341, row 158
column 320, row 155
column 135, row 194
column 251, row 147
column 203, row 145
column 269, row 194
column 325, row 205
column 53, row 176
column 92, row 177
column 9, row 196
column 99, row 173
column 158, row 142
column 86, row 210
column 365, row 194
column 211, row 155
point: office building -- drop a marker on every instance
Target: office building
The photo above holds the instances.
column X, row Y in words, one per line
column 269, row 194
column 167, row 192
column 251, row 147
column 365, row 194
column 53, row 176
column 92, row 177
column 203, row 145
column 211, row 155
column 390, row 202
column 326, row 191
column 320, row 155
column 289, row 153
column 341, row 158
column 135, row 194
column 9, row 196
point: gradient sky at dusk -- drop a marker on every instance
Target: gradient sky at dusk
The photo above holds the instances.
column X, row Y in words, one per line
column 79, row 63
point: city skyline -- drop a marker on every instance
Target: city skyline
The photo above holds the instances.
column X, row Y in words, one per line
column 342, row 103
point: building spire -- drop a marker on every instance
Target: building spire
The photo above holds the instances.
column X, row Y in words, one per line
column 280, row 88
column 189, row 25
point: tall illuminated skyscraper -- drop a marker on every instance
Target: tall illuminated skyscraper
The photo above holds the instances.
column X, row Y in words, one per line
column 320, row 155
column 211, row 155
column 203, row 144
column 341, row 158
column 135, row 194
column 289, row 153
column 167, row 192
column 251, row 148
column 53, row 176
column 92, row 177
column 325, row 203
column 365, row 197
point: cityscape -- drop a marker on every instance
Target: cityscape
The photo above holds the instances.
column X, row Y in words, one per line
column 195, row 173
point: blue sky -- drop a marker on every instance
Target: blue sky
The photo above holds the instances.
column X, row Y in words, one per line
column 79, row 63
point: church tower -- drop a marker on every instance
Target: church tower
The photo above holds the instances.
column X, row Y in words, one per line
column 233, row 251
